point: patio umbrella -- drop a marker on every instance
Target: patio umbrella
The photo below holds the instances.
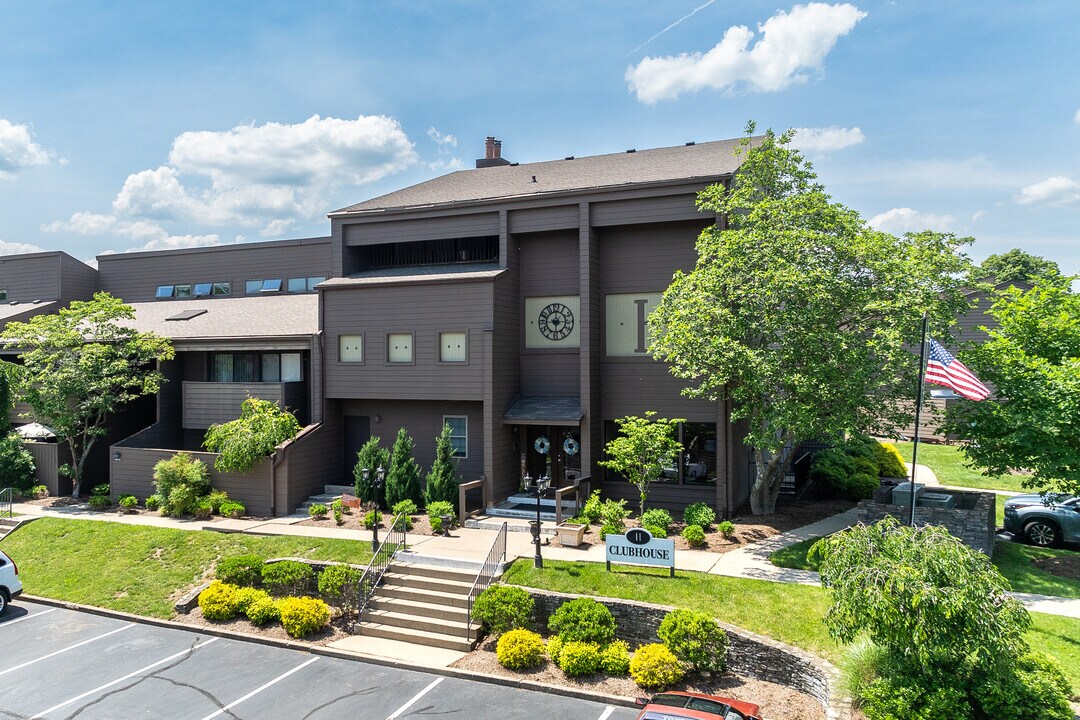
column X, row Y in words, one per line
column 36, row 431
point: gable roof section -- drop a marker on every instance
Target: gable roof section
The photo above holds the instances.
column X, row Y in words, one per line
column 684, row 162
column 245, row 318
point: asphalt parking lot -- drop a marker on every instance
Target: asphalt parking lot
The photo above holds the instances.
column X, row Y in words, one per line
column 59, row 663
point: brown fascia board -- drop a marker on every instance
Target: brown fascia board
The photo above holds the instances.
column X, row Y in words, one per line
column 516, row 202
column 345, row 284
column 203, row 339
column 216, row 248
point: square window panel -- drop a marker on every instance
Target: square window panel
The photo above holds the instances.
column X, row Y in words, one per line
column 271, row 367
column 221, row 288
column 292, row 369
column 183, row 291
column 351, row 348
column 297, row 285
column 271, row 285
column 164, row 291
column 399, row 347
column 202, row 289
column 453, row 347
column 313, row 281
column 253, row 286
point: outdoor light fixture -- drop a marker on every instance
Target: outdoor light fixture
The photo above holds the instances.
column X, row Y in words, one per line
column 116, row 456
column 380, row 477
column 539, row 487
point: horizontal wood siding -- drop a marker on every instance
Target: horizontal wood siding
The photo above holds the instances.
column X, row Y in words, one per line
column 424, row 311
column 309, row 462
column 643, row 259
column 968, row 325
column 930, row 421
column 550, row 374
column 548, row 266
column 484, row 224
column 31, row 277
column 561, row 217
column 135, row 277
column 646, row 210
column 634, row 385
column 46, row 467
column 134, row 475
column 505, row 375
column 423, row 421
column 78, row 281
column 206, row 404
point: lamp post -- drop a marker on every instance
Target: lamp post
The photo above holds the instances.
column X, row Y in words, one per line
column 380, row 477
column 539, row 487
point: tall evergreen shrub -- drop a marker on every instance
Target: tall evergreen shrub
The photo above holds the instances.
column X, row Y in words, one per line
column 372, row 456
column 403, row 479
column 442, row 481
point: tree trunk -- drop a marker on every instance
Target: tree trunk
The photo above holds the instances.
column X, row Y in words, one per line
column 769, row 474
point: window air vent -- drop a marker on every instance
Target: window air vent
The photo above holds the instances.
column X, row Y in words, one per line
column 187, row 315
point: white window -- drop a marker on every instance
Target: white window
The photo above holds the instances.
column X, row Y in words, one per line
column 399, row 347
column 351, row 348
column 453, row 347
column 459, row 434
column 291, row 369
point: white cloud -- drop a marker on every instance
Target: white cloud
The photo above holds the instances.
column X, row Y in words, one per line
column 276, row 227
column 1054, row 191
column 10, row 248
column 978, row 215
column 17, row 150
column 150, row 234
column 443, row 141
column 827, row 139
column 792, row 47
column 1076, row 117
column 905, row 219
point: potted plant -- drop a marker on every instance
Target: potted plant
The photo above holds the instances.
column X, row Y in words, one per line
column 571, row 532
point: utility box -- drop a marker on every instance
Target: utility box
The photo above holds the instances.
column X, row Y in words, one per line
column 937, row 500
column 901, row 494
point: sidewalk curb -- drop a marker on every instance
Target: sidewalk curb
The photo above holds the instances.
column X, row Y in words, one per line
column 616, row 700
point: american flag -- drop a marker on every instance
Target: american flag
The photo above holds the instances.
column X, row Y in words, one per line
column 944, row 369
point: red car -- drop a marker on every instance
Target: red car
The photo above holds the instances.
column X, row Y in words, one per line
column 696, row 706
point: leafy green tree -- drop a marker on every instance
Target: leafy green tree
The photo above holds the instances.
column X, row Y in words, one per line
column 371, row 456
column 1032, row 359
column 1018, row 266
column 643, row 448
column 800, row 314
column 442, row 481
column 403, row 479
column 83, row 364
column 7, row 401
column 242, row 442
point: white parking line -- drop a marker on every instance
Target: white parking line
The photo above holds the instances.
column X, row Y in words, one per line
column 69, row 647
column 607, row 712
column 397, row 713
column 108, row 685
column 27, row 617
column 258, row 690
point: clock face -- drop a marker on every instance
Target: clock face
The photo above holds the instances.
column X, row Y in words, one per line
column 556, row 321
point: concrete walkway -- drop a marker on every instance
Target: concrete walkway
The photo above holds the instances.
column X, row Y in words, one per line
column 751, row 561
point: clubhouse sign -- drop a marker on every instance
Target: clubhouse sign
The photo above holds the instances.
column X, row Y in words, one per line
column 639, row 547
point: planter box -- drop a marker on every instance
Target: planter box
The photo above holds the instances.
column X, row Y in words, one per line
column 571, row 535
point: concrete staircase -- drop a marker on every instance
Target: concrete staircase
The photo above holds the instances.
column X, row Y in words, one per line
column 8, row 524
column 422, row 604
column 524, row 507
column 329, row 494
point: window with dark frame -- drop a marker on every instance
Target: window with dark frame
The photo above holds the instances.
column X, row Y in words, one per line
column 459, row 434
column 695, row 464
column 257, row 367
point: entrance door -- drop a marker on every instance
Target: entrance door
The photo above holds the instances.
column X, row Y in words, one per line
column 357, row 432
column 555, row 462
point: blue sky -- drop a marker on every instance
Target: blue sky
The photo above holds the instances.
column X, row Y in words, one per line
column 135, row 125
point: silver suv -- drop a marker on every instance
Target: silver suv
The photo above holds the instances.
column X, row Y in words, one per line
column 1044, row 522
column 10, row 587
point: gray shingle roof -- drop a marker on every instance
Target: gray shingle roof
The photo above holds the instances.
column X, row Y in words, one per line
column 684, row 162
column 423, row 273
column 23, row 311
column 552, row 410
column 239, row 317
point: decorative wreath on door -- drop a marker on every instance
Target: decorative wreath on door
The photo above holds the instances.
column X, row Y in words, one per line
column 542, row 445
column 571, row 446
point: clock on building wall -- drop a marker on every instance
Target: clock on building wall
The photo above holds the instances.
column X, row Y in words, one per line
column 556, row 321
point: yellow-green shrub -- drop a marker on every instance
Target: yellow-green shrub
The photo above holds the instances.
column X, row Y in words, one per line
column 554, row 647
column 615, row 658
column 579, row 658
column 303, row 615
column 219, row 601
column 519, row 649
column 262, row 610
column 654, row 666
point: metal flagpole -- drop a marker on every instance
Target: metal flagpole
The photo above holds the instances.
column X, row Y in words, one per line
column 918, row 414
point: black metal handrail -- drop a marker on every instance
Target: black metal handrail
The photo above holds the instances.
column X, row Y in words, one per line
column 7, row 496
column 380, row 562
column 495, row 557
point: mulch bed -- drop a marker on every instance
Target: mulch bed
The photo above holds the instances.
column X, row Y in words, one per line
column 421, row 525
column 1066, row 566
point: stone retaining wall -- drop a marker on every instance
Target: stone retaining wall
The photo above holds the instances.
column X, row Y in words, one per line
column 750, row 655
column 972, row 521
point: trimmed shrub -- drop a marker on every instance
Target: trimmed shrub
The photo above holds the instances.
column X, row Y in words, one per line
column 372, row 518
column 583, row 620
column 727, row 529
column 519, row 649
column 503, row 607
column 153, row 503
column 554, row 648
column 180, row 481
column 896, row 698
column 39, row 492
column 219, row 601
column 614, row 513
column 890, row 462
column 233, row 509
column 654, row 666
column 699, row 514
column 694, row 535
column 204, row 509
column 341, row 585
column 656, row 517
column 99, row 502
column 287, row 577
column 16, row 462
column 656, row 531
column 437, row 508
column 262, row 610
column 100, row 490
column 696, row 639
column 579, row 658
column 128, row 503
column 860, row 486
column 317, row 510
column 615, row 658
column 217, row 498
column 408, row 507
column 1035, row 688
column 247, row 595
column 606, row 530
column 592, row 508
column 302, row 616
column 243, row 570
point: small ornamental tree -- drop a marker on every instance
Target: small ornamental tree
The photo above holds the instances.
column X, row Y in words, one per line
column 241, row 443
column 642, row 450
column 442, row 481
column 403, row 478
column 81, row 365
column 371, row 456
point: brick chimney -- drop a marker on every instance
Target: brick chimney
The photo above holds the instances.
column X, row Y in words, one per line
column 492, row 154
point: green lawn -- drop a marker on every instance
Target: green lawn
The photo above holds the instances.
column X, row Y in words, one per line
column 788, row 613
column 141, row 569
column 948, row 463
